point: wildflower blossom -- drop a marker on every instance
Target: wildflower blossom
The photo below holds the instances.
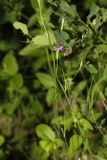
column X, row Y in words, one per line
column 59, row 49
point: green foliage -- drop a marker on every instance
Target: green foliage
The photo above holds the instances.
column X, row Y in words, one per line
column 45, row 132
column 46, row 79
column 74, row 143
column 2, row 140
column 21, row 26
column 44, row 40
column 53, row 78
column 49, row 140
column 10, row 64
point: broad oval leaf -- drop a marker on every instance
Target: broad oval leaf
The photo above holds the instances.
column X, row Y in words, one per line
column 10, row 65
column 45, row 132
column 44, row 39
column 46, row 79
column 70, row 9
column 16, row 82
column 86, row 124
column 102, row 48
column 32, row 50
column 90, row 68
column 50, row 97
column 48, row 145
column 105, row 139
column 74, row 143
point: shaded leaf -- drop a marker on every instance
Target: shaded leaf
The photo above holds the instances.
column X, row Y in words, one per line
column 16, row 82
column 10, row 64
column 97, row 157
column 70, row 9
column 4, row 45
column 2, row 140
column 50, row 97
column 46, row 79
column 90, row 68
column 102, row 48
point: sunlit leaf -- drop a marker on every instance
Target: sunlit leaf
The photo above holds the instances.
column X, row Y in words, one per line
column 21, row 26
column 86, row 124
column 45, row 132
column 44, row 39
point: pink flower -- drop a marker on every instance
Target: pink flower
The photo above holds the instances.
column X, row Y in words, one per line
column 60, row 48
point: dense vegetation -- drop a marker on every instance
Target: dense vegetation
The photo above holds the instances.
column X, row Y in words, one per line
column 53, row 80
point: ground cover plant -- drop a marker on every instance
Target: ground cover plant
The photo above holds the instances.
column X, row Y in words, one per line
column 53, row 74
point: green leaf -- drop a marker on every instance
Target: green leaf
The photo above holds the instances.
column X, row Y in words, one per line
column 35, row 6
column 104, row 12
column 105, row 91
column 101, row 48
column 58, row 143
column 67, row 122
column 48, row 145
column 19, row 137
column 44, row 39
column 97, row 157
column 3, row 75
column 105, row 139
column 11, row 107
column 74, row 143
column 90, row 68
column 81, row 86
column 93, row 10
column 2, row 155
column 10, row 64
column 2, row 140
column 31, row 50
column 37, row 107
column 46, row 79
column 16, row 82
column 45, row 132
column 50, row 97
column 21, row 26
column 86, row 124
column 95, row 116
column 70, row 9
column 32, row 20
column 4, row 45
